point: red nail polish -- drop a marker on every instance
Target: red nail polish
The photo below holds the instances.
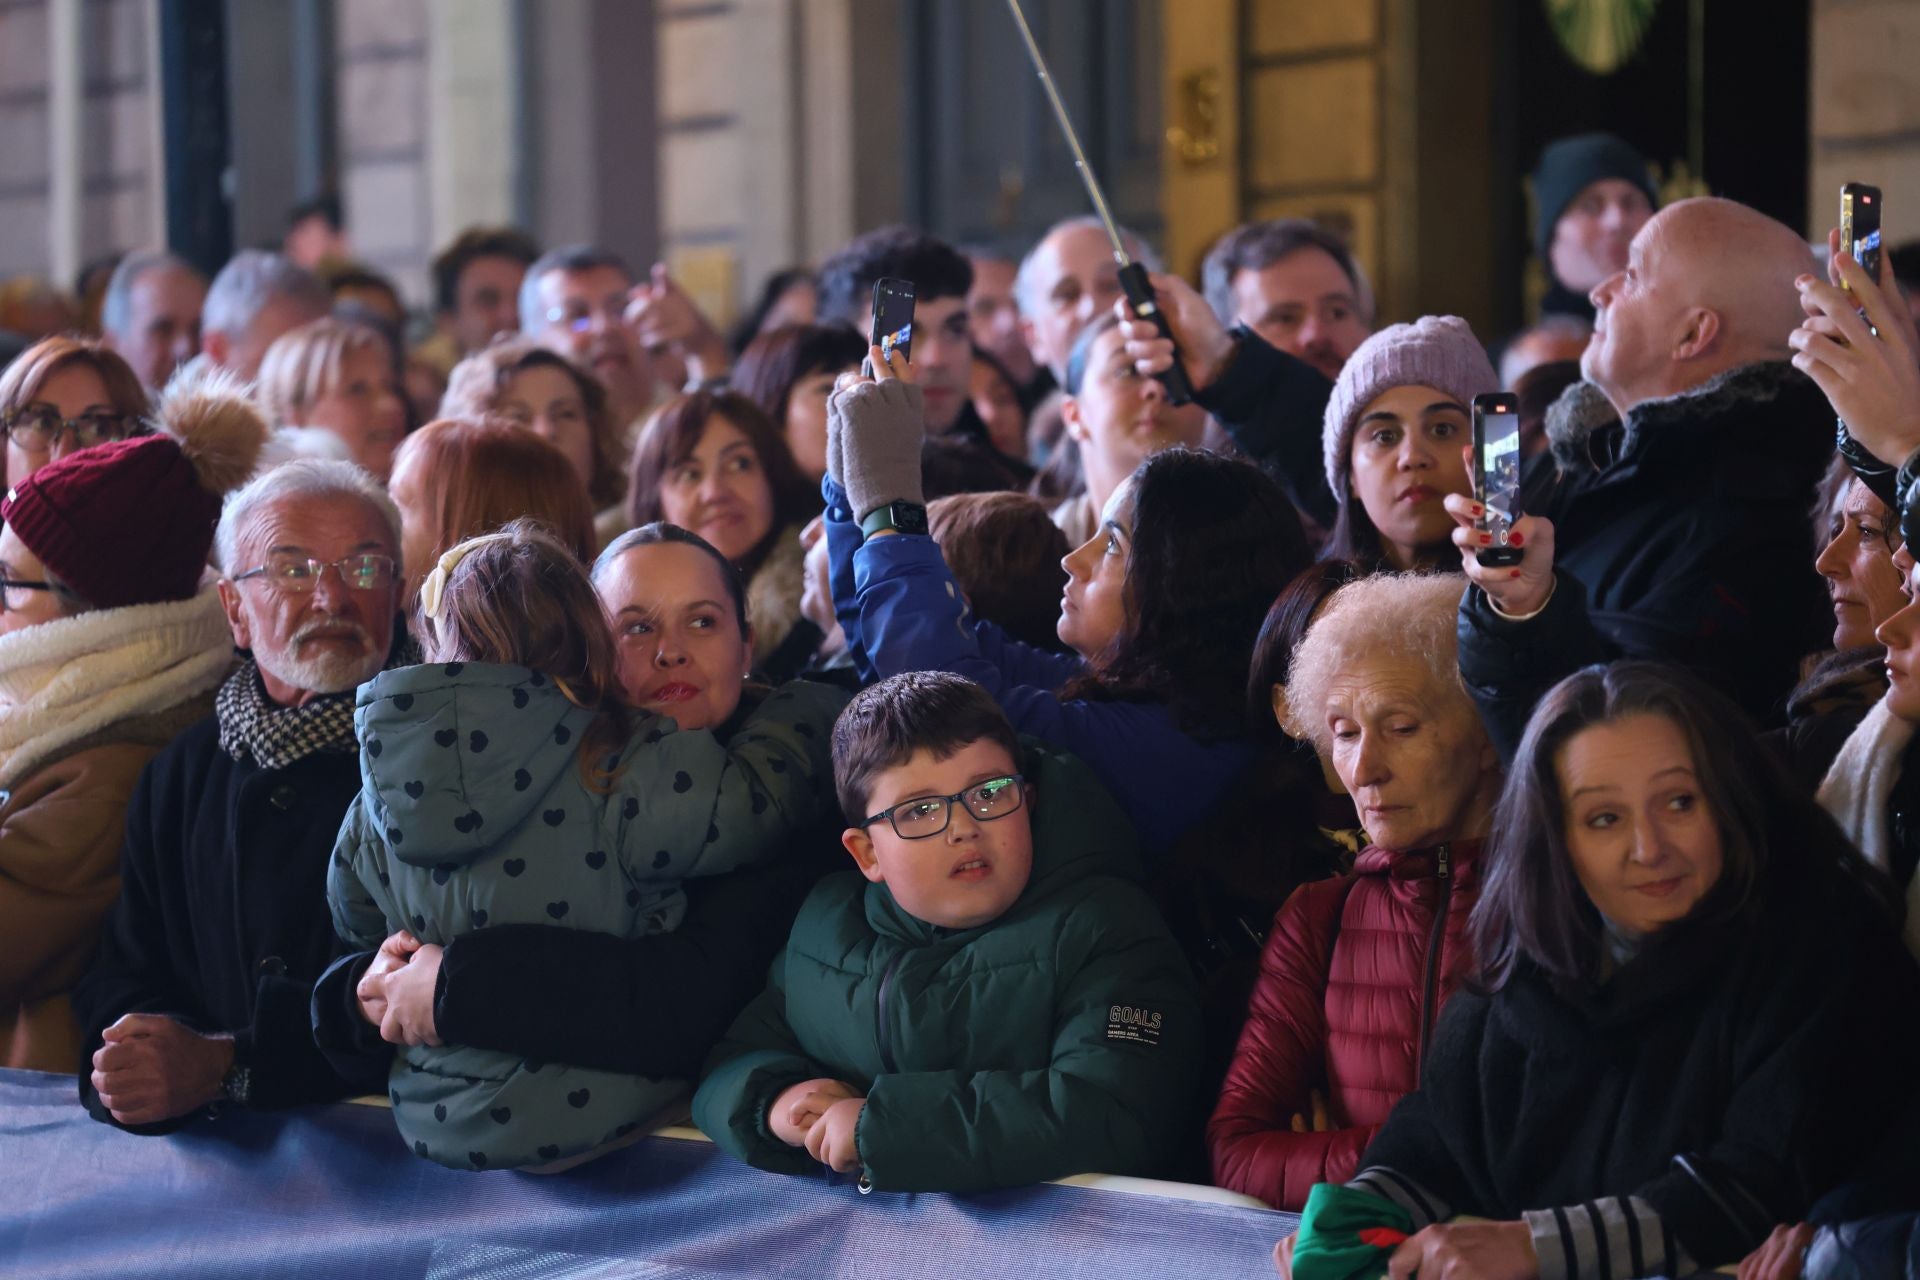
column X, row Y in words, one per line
column 1516, row 573
column 1516, row 540
column 1486, row 539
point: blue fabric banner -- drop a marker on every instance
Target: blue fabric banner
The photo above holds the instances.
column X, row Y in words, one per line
column 331, row 1193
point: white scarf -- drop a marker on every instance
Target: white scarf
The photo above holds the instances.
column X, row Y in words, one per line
column 1858, row 787
column 68, row 679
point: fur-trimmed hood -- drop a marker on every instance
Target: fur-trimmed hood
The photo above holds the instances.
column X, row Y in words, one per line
column 1583, row 412
column 773, row 593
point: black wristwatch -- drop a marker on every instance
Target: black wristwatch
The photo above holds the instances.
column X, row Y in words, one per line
column 903, row 517
column 237, row 1084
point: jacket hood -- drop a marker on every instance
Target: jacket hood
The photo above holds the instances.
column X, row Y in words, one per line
column 1760, row 393
column 1079, row 830
column 455, row 756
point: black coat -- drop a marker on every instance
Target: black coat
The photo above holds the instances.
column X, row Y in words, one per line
column 1680, row 536
column 1275, row 408
column 222, row 921
column 1729, row 1074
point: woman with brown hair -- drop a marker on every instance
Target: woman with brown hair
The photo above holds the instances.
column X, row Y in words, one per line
column 456, row 479
column 789, row 372
column 713, row 463
column 541, row 390
column 64, row 394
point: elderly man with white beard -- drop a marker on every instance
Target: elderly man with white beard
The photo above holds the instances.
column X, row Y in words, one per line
column 200, row 989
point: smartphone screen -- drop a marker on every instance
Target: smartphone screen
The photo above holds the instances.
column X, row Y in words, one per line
column 893, row 316
column 1496, row 469
column 1860, row 225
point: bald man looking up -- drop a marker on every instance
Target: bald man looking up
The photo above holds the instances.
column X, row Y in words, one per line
column 1673, row 501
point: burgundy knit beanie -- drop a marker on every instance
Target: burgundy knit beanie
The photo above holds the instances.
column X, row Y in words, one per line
column 1434, row 351
column 131, row 521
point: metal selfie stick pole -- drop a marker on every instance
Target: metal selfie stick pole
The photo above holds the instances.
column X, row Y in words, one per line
column 1133, row 275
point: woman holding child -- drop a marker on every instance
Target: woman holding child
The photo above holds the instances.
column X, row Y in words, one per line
column 681, row 647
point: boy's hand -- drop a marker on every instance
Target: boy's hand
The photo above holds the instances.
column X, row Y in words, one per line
column 830, row 1141
column 794, row 1113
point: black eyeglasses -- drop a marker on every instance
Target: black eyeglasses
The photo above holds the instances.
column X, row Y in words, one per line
column 21, row 584
column 37, row 428
column 928, row 816
column 300, row 575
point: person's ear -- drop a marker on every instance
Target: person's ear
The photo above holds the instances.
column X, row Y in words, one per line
column 1701, row 334
column 217, row 346
column 746, row 639
column 236, row 616
column 860, row 845
column 1031, row 337
column 1283, row 715
column 1073, row 419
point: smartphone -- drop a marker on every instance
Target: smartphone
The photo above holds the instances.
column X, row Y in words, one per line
column 893, row 317
column 1496, row 473
column 1860, row 225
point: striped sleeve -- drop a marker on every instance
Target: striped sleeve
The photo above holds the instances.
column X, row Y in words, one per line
column 1612, row 1238
column 1425, row 1207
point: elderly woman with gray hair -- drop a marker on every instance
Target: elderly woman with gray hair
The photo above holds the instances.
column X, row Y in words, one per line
column 1356, row 968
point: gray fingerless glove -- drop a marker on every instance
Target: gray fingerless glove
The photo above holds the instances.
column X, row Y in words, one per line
column 874, row 434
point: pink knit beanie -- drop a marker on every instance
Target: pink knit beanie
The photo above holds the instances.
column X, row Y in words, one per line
column 1434, row 351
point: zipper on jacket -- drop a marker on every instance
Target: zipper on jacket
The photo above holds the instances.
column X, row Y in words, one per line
column 883, row 1032
column 1443, row 871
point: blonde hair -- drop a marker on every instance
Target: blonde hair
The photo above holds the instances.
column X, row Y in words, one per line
column 304, row 365
column 1384, row 617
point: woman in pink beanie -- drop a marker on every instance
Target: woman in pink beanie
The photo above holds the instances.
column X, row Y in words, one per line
column 109, row 646
column 1400, row 416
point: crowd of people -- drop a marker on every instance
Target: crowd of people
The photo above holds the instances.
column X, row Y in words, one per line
column 973, row 769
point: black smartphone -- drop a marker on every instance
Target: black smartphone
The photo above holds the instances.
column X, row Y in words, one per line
column 1860, row 225
column 1496, row 473
column 893, row 317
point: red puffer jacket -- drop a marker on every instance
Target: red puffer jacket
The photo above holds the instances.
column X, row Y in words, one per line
column 1354, row 972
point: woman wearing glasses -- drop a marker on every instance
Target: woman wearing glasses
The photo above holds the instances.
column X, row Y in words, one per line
column 64, row 394
column 109, row 646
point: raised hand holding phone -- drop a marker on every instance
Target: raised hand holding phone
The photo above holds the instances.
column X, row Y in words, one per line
column 1495, row 468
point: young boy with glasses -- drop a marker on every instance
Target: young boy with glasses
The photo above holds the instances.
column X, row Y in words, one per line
column 996, row 1003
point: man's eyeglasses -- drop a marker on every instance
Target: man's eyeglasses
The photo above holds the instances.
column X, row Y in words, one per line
column 578, row 317
column 928, row 816
column 298, row 575
column 37, row 429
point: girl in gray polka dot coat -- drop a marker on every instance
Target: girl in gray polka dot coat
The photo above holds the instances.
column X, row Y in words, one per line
column 501, row 784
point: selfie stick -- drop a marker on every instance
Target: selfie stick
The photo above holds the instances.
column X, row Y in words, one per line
column 1133, row 275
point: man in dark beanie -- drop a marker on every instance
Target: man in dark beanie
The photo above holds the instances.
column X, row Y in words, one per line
column 1592, row 194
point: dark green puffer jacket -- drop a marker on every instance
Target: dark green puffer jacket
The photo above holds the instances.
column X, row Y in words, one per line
column 1062, row 1038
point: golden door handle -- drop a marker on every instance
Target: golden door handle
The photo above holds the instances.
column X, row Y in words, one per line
column 1195, row 138
column 1006, row 204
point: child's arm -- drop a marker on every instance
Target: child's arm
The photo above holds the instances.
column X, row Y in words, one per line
column 1116, row 1097
column 711, row 808
column 747, row 1072
column 357, row 917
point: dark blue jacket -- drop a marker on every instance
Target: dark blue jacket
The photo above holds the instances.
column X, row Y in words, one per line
column 901, row 611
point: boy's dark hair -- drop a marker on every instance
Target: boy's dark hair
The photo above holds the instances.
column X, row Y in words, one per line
column 1005, row 553
column 935, row 267
column 472, row 244
column 886, row 723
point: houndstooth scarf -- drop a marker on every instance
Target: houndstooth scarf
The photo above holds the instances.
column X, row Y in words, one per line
column 254, row 725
